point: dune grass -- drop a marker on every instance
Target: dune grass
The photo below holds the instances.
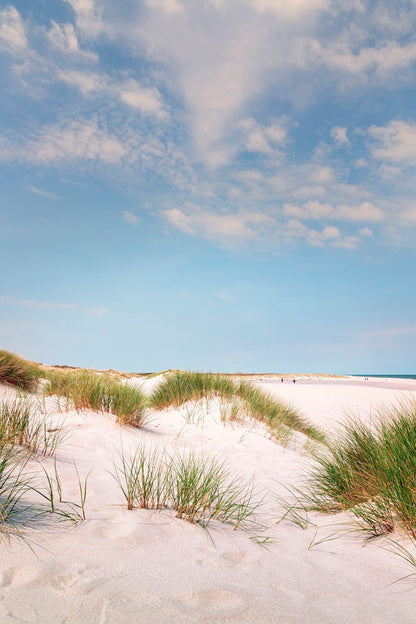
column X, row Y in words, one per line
column 21, row 425
column 25, row 500
column 24, row 434
column 199, row 489
column 18, row 372
column 276, row 414
column 180, row 387
column 101, row 392
column 371, row 472
column 144, row 478
column 14, row 484
column 51, row 492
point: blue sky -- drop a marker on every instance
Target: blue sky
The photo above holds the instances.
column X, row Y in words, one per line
column 214, row 185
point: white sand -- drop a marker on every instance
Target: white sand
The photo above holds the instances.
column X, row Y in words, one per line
column 138, row 566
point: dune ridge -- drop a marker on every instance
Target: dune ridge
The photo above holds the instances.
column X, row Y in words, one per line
column 149, row 566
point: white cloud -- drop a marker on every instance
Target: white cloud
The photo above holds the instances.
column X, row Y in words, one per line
column 217, row 78
column 312, row 210
column 295, row 230
column 409, row 214
column 365, row 211
column 50, row 305
column 130, row 217
column 322, row 174
column 348, row 242
column 63, row 38
column 318, row 211
column 266, row 230
column 388, row 172
column 305, row 191
column 99, row 312
column 67, row 141
column 340, row 135
column 147, row 100
column 361, row 162
column 32, row 303
column 88, row 17
column 220, row 56
column 171, row 7
column 288, row 9
column 12, row 31
column 383, row 61
column 86, row 82
column 36, row 191
column 331, row 232
column 262, row 139
column 122, row 152
column 215, row 73
column 218, row 226
column 77, row 140
column 365, row 232
column 395, row 142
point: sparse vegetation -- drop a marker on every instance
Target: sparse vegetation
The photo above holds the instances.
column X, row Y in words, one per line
column 14, row 483
column 280, row 418
column 18, row 372
column 64, row 510
column 90, row 390
column 199, row 489
column 24, row 434
column 21, row 425
column 371, row 472
column 180, row 387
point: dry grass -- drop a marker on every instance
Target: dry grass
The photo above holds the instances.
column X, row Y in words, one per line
column 103, row 392
column 282, row 420
column 18, row 372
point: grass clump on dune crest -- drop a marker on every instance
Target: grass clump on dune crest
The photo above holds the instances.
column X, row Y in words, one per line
column 18, row 372
column 179, row 387
column 276, row 414
column 281, row 419
column 199, row 489
column 371, row 472
column 101, row 392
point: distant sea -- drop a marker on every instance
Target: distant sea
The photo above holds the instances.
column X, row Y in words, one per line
column 390, row 376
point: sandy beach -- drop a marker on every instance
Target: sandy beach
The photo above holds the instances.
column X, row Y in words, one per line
column 121, row 566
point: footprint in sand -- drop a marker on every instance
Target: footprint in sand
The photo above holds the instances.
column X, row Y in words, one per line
column 64, row 581
column 118, row 528
column 116, row 532
column 83, row 582
column 229, row 560
column 236, row 557
column 19, row 576
column 212, row 600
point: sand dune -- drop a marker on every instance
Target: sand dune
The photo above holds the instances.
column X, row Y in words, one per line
column 125, row 567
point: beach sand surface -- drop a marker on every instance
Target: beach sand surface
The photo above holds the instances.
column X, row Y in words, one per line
column 141, row 566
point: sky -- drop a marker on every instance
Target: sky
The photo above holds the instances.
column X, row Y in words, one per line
column 224, row 185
